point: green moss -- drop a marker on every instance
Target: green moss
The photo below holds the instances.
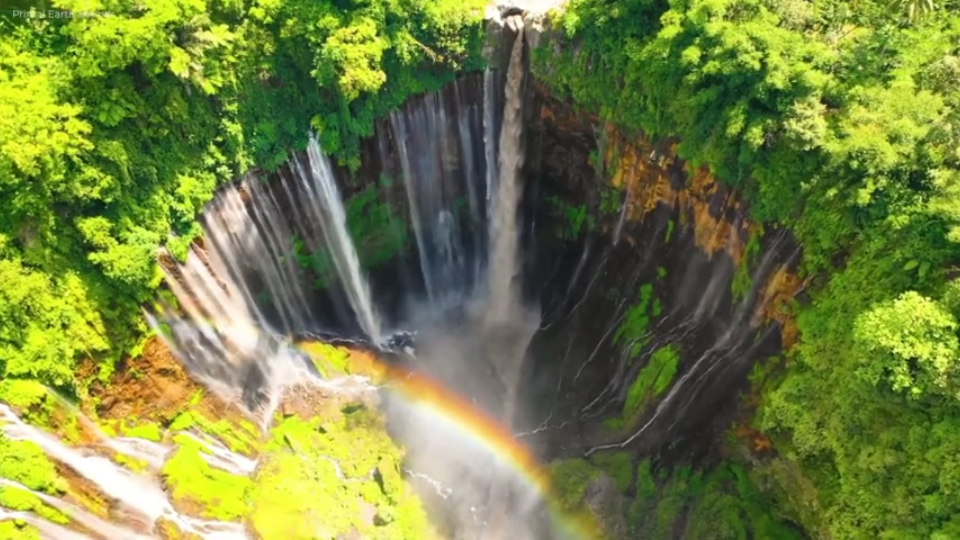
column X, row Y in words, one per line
column 619, row 466
column 23, row 501
column 148, row 431
column 636, row 321
column 193, row 483
column 17, row 530
column 646, row 486
column 575, row 218
column 134, row 464
column 742, row 278
column 571, row 478
column 614, row 423
column 239, row 436
column 653, row 379
column 24, row 462
column 330, row 360
column 610, row 199
column 319, row 481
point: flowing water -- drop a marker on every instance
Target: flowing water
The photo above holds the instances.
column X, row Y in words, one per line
column 247, row 291
column 327, row 208
column 138, row 493
column 242, row 295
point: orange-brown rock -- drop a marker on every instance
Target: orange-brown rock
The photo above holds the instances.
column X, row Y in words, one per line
column 718, row 217
column 154, row 386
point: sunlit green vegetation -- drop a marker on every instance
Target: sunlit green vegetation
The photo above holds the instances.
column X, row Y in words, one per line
column 840, row 121
column 323, row 479
column 195, row 484
column 12, row 530
column 24, row 462
column 115, row 131
column 720, row 504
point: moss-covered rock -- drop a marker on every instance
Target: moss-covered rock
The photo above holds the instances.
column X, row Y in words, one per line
column 323, row 479
column 24, row 462
column 24, row 501
column 17, row 530
column 198, row 488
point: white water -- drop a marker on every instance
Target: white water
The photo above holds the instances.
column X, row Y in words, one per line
column 152, row 453
column 489, row 137
column 218, row 455
column 503, row 292
column 243, row 294
column 84, row 518
column 141, row 494
column 327, row 207
column 434, row 141
column 48, row 531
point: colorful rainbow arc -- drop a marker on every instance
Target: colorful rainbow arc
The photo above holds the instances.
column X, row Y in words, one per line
column 469, row 422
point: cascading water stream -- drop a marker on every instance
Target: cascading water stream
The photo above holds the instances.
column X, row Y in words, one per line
column 48, row 531
column 328, row 206
column 141, row 494
column 502, row 287
column 243, row 295
column 104, row 529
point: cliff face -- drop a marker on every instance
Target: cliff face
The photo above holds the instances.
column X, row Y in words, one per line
column 640, row 254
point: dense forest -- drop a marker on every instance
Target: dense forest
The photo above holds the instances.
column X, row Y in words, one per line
column 119, row 126
column 838, row 120
column 841, row 121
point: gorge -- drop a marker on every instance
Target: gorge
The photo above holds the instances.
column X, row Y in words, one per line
column 416, row 270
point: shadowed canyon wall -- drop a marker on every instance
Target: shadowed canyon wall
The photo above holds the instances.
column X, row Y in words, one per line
column 637, row 253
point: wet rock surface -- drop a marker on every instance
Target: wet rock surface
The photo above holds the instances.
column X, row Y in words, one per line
column 648, row 219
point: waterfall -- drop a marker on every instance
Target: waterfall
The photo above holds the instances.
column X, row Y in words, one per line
column 327, row 206
column 503, row 292
column 489, row 137
column 219, row 456
column 434, row 143
column 503, row 307
column 244, row 233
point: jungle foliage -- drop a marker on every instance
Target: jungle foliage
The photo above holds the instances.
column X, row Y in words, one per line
column 656, row 503
column 841, row 121
column 116, row 129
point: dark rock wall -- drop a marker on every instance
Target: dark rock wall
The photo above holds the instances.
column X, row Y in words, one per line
column 680, row 233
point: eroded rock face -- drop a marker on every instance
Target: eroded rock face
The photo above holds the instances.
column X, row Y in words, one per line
column 640, row 252
column 153, row 385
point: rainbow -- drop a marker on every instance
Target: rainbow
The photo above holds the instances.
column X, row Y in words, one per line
column 475, row 426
